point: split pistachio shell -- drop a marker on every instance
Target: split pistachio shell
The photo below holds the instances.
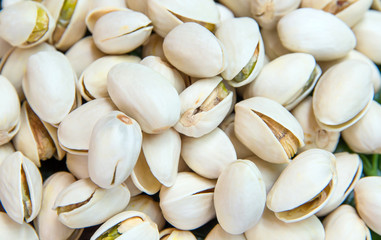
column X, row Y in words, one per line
column 9, row 111
column 121, row 31
column 244, row 47
column 93, row 81
column 368, row 200
column 6, row 150
column 154, row 47
column 304, row 187
column 50, row 81
column 173, row 234
column 14, row 230
column 47, row 224
column 167, row 14
column 314, row 135
column 344, row 223
column 25, row 24
column 188, row 204
column 204, row 105
column 270, row 227
column 337, row 109
column 184, row 41
column 82, row 203
column 287, row 79
column 21, row 184
column 240, row 8
column 273, row 45
column 114, row 148
column 77, row 165
column 316, row 32
column 145, row 95
column 267, row 129
column 218, row 233
column 127, row 225
column 239, row 197
column 209, row 154
column 74, row 132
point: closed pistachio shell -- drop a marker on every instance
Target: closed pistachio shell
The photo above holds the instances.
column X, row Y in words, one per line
column 14, row 230
column 273, row 45
column 77, row 165
column 154, row 47
column 219, row 233
column 240, row 8
column 6, row 150
column 173, row 234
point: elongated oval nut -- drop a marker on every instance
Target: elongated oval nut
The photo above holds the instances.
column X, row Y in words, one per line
column 219, row 233
column 145, row 95
column 14, row 230
column 21, row 184
column 173, row 234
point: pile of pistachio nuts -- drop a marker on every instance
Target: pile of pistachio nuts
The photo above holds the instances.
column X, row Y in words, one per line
column 172, row 114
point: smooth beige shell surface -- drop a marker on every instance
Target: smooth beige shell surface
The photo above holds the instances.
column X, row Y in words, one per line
column 218, row 233
column 173, row 234
column 13, row 230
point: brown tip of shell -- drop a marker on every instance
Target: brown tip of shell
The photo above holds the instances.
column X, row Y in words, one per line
column 124, row 119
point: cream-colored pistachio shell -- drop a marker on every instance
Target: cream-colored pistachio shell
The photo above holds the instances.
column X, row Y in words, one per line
column 337, row 109
column 134, row 191
column 209, row 154
column 240, row 8
column 244, row 48
column 21, row 188
column 13, row 230
column 304, row 186
column 344, row 223
column 273, row 45
column 137, row 5
column 154, row 47
column 82, row 203
column 77, row 165
column 316, row 32
column 194, row 50
column 6, row 150
column 368, row 200
column 121, row 31
column 224, row 12
column 173, row 234
column 6, row 3
column 204, row 105
column 270, row 227
column 170, row 73
column 218, row 233
column 18, row 23
column 376, row 5
column 129, row 225
column 314, row 135
column 258, row 124
column 9, row 111
column 188, row 204
column 145, row 95
column 74, row 132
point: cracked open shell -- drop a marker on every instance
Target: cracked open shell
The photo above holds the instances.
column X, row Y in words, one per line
column 82, row 203
column 93, row 81
column 337, row 109
column 287, row 79
column 9, row 111
column 13, row 230
column 173, row 234
column 368, row 201
column 218, row 233
column 154, row 47
column 145, row 95
column 25, row 24
column 240, row 8
column 239, row 197
column 344, row 223
column 273, row 45
column 244, row 47
column 78, row 165
column 6, row 150
column 47, row 224
column 267, row 129
column 114, row 148
column 121, row 31
column 188, row 204
column 209, row 154
column 316, row 32
column 21, row 184
column 204, row 105
column 74, row 132
column 167, row 14
column 127, row 225
column 304, row 187
column 184, row 41
column 314, row 135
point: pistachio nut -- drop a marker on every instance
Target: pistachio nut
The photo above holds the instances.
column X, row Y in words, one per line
column 240, row 8
column 344, row 223
column 314, row 135
column 368, row 200
column 224, row 12
column 204, row 105
column 188, row 204
column 267, row 129
column 127, row 225
column 9, row 111
column 4, row 47
column 14, row 230
column 21, row 188
column 77, row 165
column 82, row 203
column 304, row 187
column 134, row 191
column 145, row 95
column 218, row 233
column 154, row 47
column 26, row 24
column 338, row 109
column 376, row 5
column 121, row 31
column 173, row 234
column 316, row 32
column 6, row 150
column 244, row 47
column 137, row 5
column 209, row 154
column 194, row 50
column 272, row 43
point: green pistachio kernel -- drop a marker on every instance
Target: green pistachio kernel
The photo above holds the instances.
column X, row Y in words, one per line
column 110, row 234
column 41, row 27
column 248, row 69
column 63, row 21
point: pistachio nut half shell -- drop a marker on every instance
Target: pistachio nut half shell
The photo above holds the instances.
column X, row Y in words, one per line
column 173, row 234
column 14, row 230
column 218, row 233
